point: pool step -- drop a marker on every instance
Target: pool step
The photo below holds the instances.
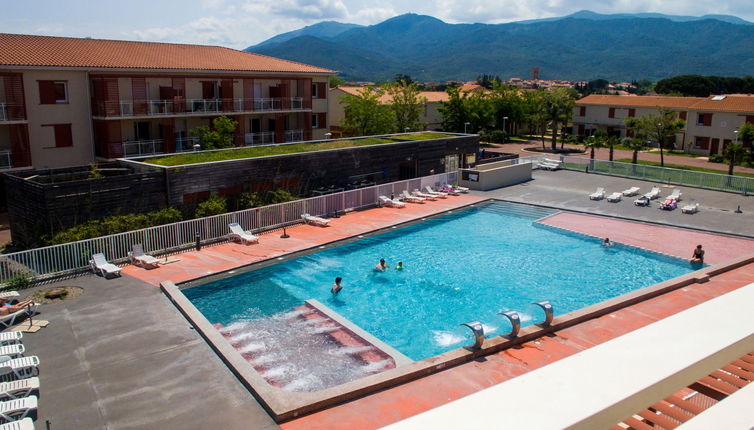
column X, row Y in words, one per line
column 517, row 209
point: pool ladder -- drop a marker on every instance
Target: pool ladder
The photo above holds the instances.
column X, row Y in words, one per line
column 477, row 328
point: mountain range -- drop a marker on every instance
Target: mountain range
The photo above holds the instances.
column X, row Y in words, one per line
column 581, row 46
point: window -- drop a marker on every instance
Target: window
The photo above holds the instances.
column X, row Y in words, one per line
column 315, row 93
column 62, row 134
column 319, row 90
column 704, row 119
column 319, row 120
column 701, row 142
column 315, row 122
column 53, row 92
column 582, row 110
column 611, row 112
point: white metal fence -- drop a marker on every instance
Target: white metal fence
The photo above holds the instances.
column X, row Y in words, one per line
column 712, row 181
column 73, row 258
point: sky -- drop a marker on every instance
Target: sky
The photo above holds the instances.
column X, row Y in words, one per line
column 242, row 23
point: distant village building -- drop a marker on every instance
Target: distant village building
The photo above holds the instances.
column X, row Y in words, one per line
column 711, row 122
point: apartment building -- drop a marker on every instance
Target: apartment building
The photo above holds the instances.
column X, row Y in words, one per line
column 711, row 122
column 68, row 101
column 431, row 117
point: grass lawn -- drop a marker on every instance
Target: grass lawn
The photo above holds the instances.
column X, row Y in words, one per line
column 692, row 168
column 674, row 153
column 261, row 151
column 423, row 136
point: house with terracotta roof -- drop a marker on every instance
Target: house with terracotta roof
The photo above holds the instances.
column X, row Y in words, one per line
column 711, row 122
column 431, row 116
column 68, row 101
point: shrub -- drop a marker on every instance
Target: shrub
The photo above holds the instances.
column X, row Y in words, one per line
column 214, row 205
column 279, row 196
column 716, row 158
column 165, row 216
column 19, row 282
column 94, row 172
column 114, row 225
column 248, row 201
column 494, row 136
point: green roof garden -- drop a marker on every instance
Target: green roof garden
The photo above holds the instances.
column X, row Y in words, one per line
column 283, row 149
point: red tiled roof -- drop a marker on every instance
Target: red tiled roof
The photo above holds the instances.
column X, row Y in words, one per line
column 47, row 51
column 728, row 103
column 431, row 96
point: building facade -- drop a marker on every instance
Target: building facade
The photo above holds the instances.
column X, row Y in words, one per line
column 711, row 122
column 68, row 102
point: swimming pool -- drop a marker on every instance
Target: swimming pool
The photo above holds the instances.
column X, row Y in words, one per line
column 459, row 267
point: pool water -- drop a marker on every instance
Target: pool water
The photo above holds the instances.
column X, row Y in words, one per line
column 460, row 267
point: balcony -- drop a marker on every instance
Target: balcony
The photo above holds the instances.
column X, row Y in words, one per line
column 11, row 112
column 6, row 159
column 180, row 107
column 263, row 138
column 294, row 135
column 185, row 144
column 137, row 148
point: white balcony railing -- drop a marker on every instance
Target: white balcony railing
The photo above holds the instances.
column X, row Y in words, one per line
column 11, row 112
column 6, row 159
column 138, row 148
column 263, row 138
column 3, row 112
column 294, row 135
column 183, row 144
column 193, row 106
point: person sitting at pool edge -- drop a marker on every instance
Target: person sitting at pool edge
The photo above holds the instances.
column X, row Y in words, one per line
column 698, row 255
column 336, row 286
column 381, row 266
column 607, row 242
column 399, row 266
column 7, row 309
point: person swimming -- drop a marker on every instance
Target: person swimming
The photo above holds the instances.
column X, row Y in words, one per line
column 336, row 286
column 607, row 242
column 381, row 266
column 399, row 266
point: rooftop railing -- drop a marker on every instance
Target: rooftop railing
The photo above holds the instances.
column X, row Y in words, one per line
column 72, row 259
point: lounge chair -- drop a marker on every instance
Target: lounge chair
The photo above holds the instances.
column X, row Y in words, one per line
column 11, row 337
column 391, row 203
column 9, row 294
column 139, row 258
column 17, row 409
column 18, row 368
column 237, row 234
column 12, row 351
column 614, row 197
column 17, row 389
column 597, row 195
column 315, row 220
column 450, row 190
column 24, row 424
column 631, row 192
column 10, row 319
column 669, row 204
column 458, row 188
column 653, row 193
column 642, row 201
column 405, row 196
column 418, row 193
column 101, row 266
column 549, row 164
column 439, row 194
column 691, row 208
column 675, row 195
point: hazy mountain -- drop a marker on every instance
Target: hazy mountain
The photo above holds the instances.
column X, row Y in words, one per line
column 322, row 29
column 587, row 14
column 569, row 48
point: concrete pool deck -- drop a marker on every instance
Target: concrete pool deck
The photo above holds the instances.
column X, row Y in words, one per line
column 122, row 356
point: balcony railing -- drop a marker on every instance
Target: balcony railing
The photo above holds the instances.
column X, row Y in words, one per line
column 138, row 148
column 183, row 144
column 263, row 138
column 6, row 159
column 294, row 135
column 195, row 106
column 11, row 112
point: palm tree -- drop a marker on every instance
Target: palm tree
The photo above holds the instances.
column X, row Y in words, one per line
column 636, row 145
column 610, row 143
column 592, row 143
column 659, row 128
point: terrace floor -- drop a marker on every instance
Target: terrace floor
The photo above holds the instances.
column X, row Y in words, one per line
column 122, row 357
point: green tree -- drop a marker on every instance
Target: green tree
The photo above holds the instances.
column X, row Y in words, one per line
column 592, row 143
column 635, row 144
column 365, row 115
column 406, row 104
column 558, row 105
column 733, row 152
column 219, row 136
column 480, row 112
column 336, row 81
column 214, row 205
column 746, row 134
column 660, row 128
column 453, row 111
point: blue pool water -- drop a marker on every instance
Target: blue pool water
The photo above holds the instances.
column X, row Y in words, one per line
column 460, row 267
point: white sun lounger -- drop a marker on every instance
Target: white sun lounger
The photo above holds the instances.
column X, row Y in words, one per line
column 11, row 337
column 18, row 368
column 691, row 208
column 12, row 351
column 17, row 389
column 676, row 194
column 418, row 193
column 139, row 258
column 405, row 196
column 631, row 192
column 315, row 220
column 24, row 424
column 597, row 195
column 237, row 234
column 653, row 193
column 391, row 203
column 439, row 194
column 9, row 294
column 614, row 197
column 457, row 188
column 17, row 409
column 101, row 266
column 10, row 319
